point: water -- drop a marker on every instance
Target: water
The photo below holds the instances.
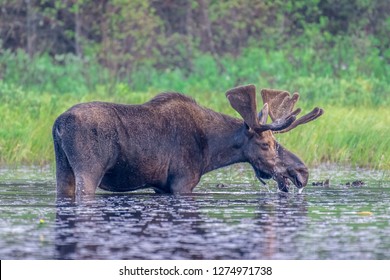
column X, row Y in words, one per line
column 231, row 216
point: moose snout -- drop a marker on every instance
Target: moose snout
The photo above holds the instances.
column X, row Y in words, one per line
column 299, row 175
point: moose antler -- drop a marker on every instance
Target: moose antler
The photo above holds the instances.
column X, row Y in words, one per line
column 243, row 100
column 281, row 104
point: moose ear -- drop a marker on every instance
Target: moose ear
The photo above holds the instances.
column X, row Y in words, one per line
column 243, row 100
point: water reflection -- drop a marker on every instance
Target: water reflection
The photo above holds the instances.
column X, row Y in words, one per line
column 236, row 221
column 126, row 226
column 148, row 226
column 279, row 230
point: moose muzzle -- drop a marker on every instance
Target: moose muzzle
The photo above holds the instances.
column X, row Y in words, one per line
column 290, row 168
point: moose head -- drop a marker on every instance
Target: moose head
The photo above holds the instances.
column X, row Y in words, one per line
column 268, row 158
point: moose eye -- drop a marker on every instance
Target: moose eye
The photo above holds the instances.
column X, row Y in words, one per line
column 264, row 146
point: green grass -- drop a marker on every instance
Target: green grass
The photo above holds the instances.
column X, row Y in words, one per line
column 352, row 85
column 347, row 135
column 337, row 77
column 352, row 136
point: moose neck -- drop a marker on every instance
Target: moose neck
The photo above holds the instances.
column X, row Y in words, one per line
column 226, row 139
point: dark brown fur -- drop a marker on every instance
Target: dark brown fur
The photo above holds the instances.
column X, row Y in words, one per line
column 166, row 144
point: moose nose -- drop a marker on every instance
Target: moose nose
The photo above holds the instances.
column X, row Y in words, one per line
column 299, row 174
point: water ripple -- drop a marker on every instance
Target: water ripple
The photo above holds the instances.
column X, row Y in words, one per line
column 242, row 220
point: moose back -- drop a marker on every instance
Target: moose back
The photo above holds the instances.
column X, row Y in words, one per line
column 169, row 142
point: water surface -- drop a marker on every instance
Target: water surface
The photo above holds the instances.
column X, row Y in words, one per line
column 231, row 216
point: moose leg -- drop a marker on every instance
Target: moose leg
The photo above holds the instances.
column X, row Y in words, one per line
column 65, row 182
column 88, row 181
column 64, row 173
column 88, row 169
column 183, row 184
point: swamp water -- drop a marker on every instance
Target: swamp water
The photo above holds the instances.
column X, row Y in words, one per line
column 231, row 216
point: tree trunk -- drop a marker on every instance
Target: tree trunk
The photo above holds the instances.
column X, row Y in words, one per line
column 206, row 33
column 205, row 25
column 30, row 27
column 78, row 33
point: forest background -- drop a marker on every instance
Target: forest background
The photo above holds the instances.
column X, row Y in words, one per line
column 56, row 53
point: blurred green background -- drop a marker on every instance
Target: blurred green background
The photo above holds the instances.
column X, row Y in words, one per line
column 56, row 53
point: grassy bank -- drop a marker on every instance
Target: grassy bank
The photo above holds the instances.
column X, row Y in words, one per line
column 356, row 135
column 342, row 76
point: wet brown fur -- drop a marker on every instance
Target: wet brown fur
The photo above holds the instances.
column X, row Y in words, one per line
column 166, row 144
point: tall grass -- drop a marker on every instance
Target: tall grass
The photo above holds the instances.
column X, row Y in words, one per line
column 352, row 135
column 341, row 76
column 352, row 85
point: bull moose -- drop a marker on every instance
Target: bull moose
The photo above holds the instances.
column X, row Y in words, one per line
column 169, row 142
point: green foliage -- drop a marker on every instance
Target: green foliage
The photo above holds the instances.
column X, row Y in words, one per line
column 357, row 136
column 56, row 53
column 349, row 78
column 331, row 78
column 352, row 136
column 64, row 73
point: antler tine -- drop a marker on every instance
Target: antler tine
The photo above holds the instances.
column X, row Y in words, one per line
column 281, row 106
column 315, row 113
column 280, row 103
column 278, row 125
